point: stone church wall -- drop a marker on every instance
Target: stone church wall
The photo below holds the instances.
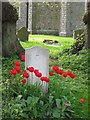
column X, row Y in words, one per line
column 71, row 17
column 53, row 18
column 22, row 15
column 77, row 12
column 46, row 18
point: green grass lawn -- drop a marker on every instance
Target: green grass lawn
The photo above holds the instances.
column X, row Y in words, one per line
column 37, row 40
column 60, row 89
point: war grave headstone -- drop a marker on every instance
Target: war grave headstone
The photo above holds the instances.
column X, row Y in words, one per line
column 38, row 58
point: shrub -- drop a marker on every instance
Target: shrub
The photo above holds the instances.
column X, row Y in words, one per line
column 77, row 33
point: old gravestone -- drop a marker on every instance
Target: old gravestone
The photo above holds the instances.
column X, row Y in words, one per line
column 22, row 34
column 9, row 39
column 37, row 57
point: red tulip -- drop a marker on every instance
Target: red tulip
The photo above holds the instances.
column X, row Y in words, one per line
column 26, row 75
column 18, row 69
column 23, row 58
column 51, row 73
column 72, row 75
column 46, row 79
column 35, row 71
column 55, row 68
column 64, row 74
column 13, row 71
column 31, row 69
column 82, row 100
column 42, row 78
column 69, row 73
column 38, row 74
column 24, row 81
column 17, row 63
column 60, row 72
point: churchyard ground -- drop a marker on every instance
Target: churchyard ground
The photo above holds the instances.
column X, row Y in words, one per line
column 67, row 97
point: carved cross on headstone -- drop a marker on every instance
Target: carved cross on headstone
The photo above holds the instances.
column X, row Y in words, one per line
column 38, row 58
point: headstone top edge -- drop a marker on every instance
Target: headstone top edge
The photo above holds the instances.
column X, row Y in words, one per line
column 37, row 47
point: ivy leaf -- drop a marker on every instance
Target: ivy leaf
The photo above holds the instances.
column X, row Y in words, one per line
column 29, row 100
column 19, row 97
column 35, row 100
column 35, row 113
column 56, row 113
column 58, row 102
column 50, row 99
column 41, row 102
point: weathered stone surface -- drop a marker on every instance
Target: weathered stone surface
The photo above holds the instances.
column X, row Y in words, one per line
column 43, row 18
column 9, row 40
column 86, row 20
column 22, row 17
column 30, row 17
column 71, row 17
column 23, row 34
column 9, row 13
column 38, row 57
column 52, row 18
column 0, row 29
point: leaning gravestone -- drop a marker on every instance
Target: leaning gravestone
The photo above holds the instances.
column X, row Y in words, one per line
column 37, row 57
column 22, row 34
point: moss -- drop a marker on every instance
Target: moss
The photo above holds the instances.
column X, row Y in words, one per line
column 9, row 13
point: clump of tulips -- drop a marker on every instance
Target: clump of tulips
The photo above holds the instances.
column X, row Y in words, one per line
column 37, row 73
column 61, row 72
column 26, row 75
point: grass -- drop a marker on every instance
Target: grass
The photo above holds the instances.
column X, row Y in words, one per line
column 37, row 40
column 77, row 64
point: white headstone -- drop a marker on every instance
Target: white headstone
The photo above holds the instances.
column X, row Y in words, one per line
column 38, row 58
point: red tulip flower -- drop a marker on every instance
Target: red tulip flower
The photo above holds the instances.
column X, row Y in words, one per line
column 51, row 73
column 23, row 58
column 35, row 71
column 59, row 72
column 72, row 75
column 64, row 74
column 38, row 74
column 82, row 100
column 31, row 69
column 55, row 68
column 26, row 75
column 17, row 63
column 42, row 78
column 24, row 81
column 46, row 79
column 69, row 73
column 18, row 69
column 13, row 71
